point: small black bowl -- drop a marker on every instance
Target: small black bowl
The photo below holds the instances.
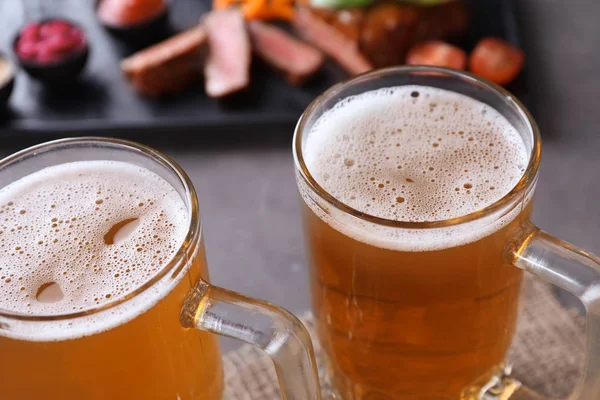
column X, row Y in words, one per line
column 6, row 86
column 147, row 31
column 65, row 70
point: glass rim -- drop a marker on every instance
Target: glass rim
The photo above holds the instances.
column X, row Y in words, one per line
column 524, row 182
column 188, row 244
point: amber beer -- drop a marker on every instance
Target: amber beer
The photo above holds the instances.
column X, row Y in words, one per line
column 60, row 254
column 409, row 311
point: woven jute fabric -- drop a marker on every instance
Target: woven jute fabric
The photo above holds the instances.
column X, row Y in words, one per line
column 547, row 352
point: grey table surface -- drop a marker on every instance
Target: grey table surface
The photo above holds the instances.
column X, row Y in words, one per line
column 248, row 198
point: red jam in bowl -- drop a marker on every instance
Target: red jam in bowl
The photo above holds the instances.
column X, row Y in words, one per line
column 49, row 42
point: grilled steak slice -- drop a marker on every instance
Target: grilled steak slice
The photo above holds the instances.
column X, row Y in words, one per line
column 166, row 67
column 227, row 68
column 336, row 33
column 296, row 59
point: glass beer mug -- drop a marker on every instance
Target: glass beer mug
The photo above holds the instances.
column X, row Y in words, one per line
column 104, row 289
column 417, row 187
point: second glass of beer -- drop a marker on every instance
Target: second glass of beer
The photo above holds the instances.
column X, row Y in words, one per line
column 417, row 188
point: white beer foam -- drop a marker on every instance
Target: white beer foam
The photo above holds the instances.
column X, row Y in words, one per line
column 414, row 154
column 52, row 228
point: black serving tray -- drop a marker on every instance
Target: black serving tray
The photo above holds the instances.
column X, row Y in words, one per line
column 102, row 103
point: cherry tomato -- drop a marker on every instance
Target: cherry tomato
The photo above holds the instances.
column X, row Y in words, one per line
column 496, row 60
column 437, row 53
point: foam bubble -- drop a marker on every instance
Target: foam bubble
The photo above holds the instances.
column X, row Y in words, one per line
column 53, row 231
column 415, row 154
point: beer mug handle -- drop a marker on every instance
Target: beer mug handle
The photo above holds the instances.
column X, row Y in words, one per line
column 574, row 270
column 274, row 330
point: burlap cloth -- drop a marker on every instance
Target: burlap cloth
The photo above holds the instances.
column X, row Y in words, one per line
column 547, row 352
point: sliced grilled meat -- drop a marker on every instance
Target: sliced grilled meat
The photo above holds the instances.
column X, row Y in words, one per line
column 336, row 34
column 296, row 59
column 227, row 68
column 166, row 67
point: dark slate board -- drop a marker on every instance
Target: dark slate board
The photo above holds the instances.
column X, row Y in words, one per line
column 101, row 102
